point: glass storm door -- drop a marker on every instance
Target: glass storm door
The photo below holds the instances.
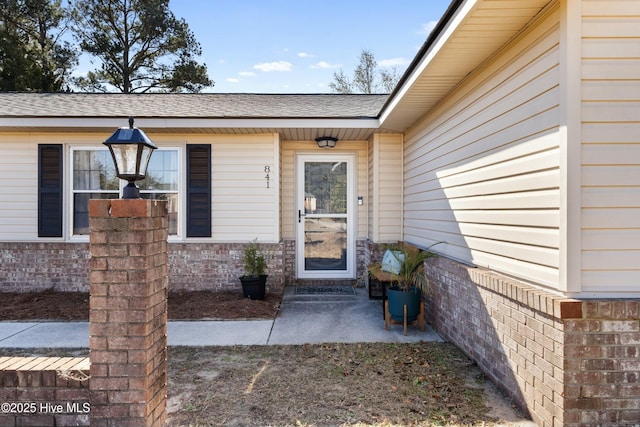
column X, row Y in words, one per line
column 324, row 217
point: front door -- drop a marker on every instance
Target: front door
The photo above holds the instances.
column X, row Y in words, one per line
column 325, row 226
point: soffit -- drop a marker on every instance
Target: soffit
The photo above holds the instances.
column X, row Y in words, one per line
column 474, row 33
column 286, row 134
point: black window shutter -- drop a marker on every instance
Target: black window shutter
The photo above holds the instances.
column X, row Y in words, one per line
column 198, row 190
column 49, row 190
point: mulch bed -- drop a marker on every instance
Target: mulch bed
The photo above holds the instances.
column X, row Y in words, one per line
column 227, row 305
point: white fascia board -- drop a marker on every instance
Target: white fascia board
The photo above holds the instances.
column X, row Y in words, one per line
column 450, row 29
column 186, row 123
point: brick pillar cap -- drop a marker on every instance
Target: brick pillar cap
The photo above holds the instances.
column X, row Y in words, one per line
column 125, row 208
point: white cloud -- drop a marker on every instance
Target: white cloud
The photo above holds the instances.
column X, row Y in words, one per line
column 232, row 80
column 273, row 66
column 247, row 73
column 324, row 65
column 393, row 62
column 427, row 28
column 305, row 55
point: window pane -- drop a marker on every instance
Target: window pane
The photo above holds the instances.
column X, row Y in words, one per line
column 325, row 187
column 81, row 209
column 325, row 246
column 172, row 206
column 162, row 173
column 94, row 170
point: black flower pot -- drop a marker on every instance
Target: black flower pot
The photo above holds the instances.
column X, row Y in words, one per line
column 253, row 287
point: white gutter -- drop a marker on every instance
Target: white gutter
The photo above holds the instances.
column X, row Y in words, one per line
column 186, row 123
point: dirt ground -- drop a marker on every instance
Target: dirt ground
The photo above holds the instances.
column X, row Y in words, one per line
column 229, row 305
column 376, row 384
column 322, row 385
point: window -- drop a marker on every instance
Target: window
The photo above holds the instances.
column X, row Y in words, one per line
column 161, row 183
column 94, row 177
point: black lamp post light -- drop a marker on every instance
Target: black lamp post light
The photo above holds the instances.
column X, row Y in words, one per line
column 131, row 150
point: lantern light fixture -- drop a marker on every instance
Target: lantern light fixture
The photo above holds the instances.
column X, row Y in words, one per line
column 131, row 150
column 326, row 141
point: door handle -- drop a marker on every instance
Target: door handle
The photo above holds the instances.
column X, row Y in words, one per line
column 300, row 215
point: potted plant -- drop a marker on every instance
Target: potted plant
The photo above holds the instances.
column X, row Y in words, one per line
column 254, row 279
column 406, row 270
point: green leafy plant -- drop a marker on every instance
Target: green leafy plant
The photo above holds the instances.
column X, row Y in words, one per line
column 255, row 264
column 411, row 268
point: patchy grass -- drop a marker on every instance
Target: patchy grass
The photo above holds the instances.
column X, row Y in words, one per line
column 358, row 385
column 423, row 384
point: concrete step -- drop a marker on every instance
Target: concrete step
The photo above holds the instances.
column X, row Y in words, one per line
column 324, row 293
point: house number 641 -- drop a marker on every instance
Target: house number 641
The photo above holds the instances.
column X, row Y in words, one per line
column 267, row 176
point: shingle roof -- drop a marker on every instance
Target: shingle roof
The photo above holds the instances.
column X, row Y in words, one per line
column 183, row 105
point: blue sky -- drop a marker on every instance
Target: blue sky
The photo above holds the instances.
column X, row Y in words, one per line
column 294, row 46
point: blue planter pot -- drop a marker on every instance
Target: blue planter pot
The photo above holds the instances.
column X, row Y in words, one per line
column 398, row 299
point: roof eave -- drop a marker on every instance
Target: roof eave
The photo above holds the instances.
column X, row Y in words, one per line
column 450, row 55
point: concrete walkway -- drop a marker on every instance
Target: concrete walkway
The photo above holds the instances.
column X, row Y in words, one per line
column 302, row 319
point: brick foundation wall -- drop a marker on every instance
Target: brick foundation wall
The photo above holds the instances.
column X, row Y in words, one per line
column 289, row 261
column 567, row 362
column 602, row 364
column 64, row 267
column 61, row 267
column 217, row 266
column 39, row 392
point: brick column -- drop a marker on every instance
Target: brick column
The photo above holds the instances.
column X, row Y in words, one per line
column 128, row 312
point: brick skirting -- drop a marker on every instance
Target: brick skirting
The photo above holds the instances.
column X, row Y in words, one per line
column 217, row 266
column 567, row 362
column 64, row 267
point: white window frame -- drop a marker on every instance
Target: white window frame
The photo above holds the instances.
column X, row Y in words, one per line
column 70, row 190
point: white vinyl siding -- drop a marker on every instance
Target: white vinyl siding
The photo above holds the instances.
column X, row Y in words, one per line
column 289, row 150
column 611, row 147
column 482, row 171
column 385, row 187
column 243, row 208
column 19, row 189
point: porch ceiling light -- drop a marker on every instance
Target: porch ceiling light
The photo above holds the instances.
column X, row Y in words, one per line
column 326, row 141
column 131, row 150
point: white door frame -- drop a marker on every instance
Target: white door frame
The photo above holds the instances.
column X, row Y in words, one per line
column 349, row 272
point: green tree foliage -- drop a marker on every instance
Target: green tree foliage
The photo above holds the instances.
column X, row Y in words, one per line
column 366, row 77
column 33, row 56
column 141, row 47
column 365, row 73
